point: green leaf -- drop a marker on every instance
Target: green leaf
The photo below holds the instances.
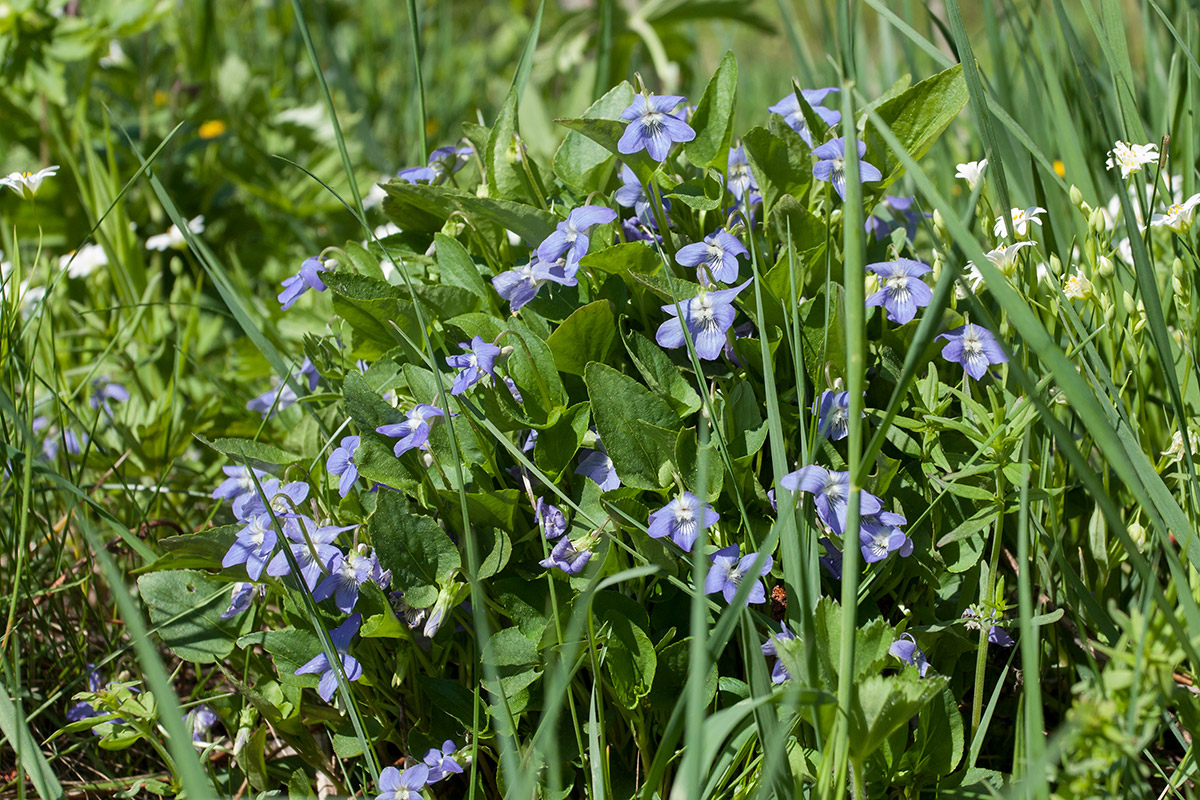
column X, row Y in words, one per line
column 629, row 660
column 498, row 546
column 917, row 117
column 713, row 120
column 938, row 738
column 580, row 162
column 822, row 337
column 687, row 460
column 447, row 301
column 416, row 206
column 557, row 445
column 531, row 224
column 607, row 133
column 299, row 788
column 377, row 463
column 451, row 697
column 493, row 509
column 186, row 607
column 624, row 257
column 204, row 549
column 531, row 366
column 369, row 306
column 781, row 165
column 258, row 454
column 290, row 648
column 701, row 194
column 637, row 428
column 457, row 268
column 365, row 263
column 365, row 406
column 505, row 175
column 747, row 430
column 587, row 335
column 671, row 675
column 884, row 703
column 510, row 648
column 416, row 550
column 662, row 375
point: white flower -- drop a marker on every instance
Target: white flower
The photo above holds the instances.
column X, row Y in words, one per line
column 973, row 279
column 1125, row 251
column 1131, row 157
column 84, row 262
column 1175, row 451
column 24, row 297
column 116, row 56
column 26, row 184
column 386, row 230
column 1179, row 216
column 971, row 172
column 374, row 197
column 1019, row 223
column 1005, row 258
column 1078, row 287
column 173, row 238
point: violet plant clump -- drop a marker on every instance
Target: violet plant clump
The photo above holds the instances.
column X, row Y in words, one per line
column 420, row 563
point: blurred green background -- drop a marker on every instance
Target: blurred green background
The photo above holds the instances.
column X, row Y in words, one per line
column 82, row 76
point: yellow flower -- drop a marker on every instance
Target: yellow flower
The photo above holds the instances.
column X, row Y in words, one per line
column 212, row 129
column 160, row 98
column 1060, row 168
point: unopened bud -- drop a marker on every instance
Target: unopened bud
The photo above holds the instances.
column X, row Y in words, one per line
column 1109, row 308
column 1181, row 282
column 427, row 459
column 939, row 225
column 1076, row 196
column 1138, row 533
column 1129, row 303
column 1096, row 221
column 1104, row 267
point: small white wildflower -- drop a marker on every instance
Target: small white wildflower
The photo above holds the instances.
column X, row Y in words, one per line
column 1005, row 258
column 173, row 238
column 384, row 231
column 971, row 172
column 1019, row 222
column 1177, row 217
column 1175, row 451
column 374, row 197
column 116, row 56
column 1125, row 251
column 1131, row 157
column 973, row 280
column 26, row 184
column 1078, row 287
column 84, row 262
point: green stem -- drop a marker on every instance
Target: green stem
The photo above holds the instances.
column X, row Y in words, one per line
column 986, row 591
column 854, row 277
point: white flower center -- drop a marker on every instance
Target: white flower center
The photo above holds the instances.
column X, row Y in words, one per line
column 258, row 531
column 972, row 345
